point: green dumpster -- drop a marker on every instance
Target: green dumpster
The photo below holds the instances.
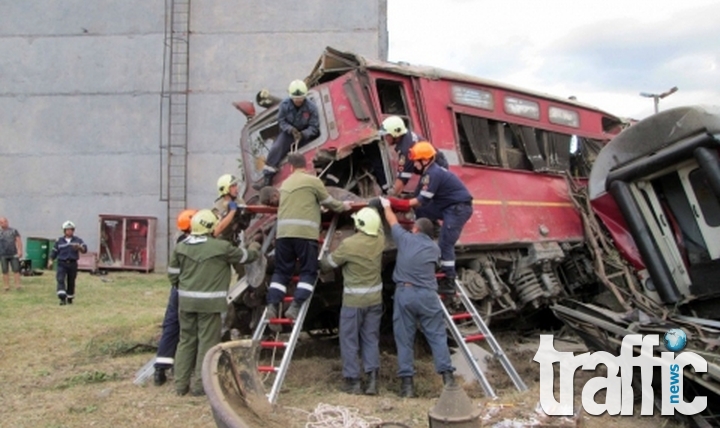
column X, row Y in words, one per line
column 37, row 252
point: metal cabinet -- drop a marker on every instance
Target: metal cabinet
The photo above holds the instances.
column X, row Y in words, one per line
column 127, row 242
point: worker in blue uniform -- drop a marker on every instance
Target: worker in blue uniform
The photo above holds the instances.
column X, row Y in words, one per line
column 299, row 123
column 396, row 134
column 67, row 251
column 165, row 357
column 441, row 196
column 416, row 300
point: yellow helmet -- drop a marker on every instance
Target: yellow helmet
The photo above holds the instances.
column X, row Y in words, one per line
column 393, row 125
column 203, row 222
column 367, row 220
column 297, row 89
column 224, row 184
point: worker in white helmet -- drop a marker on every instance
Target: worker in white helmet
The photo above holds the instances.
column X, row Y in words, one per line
column 67, row 251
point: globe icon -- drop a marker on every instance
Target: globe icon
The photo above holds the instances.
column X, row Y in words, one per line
column 675, row 340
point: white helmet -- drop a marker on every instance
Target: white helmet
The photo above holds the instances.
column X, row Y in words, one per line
column 367, row 220
column 224, row 184
column 203, row 222
column 68, row 225
column 297, row 89
column 393, row 125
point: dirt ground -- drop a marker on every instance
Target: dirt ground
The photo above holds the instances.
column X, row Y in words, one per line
column 74, row 366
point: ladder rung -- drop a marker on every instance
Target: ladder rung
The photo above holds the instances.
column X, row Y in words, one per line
column 267, row 369
column 463, row 316
column 474, row 337
column 273, row 344
column 440, row 275
column 288, row 299
column 286, row 321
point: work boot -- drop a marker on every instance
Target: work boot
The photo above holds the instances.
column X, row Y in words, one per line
column 272, row 312
column 407, row 389
column 446, row 286
column 293, row 311
column 63, row 301
column 371, row 388
column 182, row 390
column 160, row 377
column 265, row 181
column 69, row 300
column 448, row 378
column 352, row 386
column 197, row 392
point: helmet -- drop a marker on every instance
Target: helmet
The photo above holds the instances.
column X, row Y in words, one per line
column 367, row 220
column 297, row 89
column 184, row 218
column 68, row 225
column 203, row 222
column 422, row 150
column 393, row 125
column 224, row 183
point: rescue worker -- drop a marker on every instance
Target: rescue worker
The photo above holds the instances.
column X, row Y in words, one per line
column 396, row 134
column 200, row 269
column 416, row 300
column 298, row 230
column 167, row 346
column 10, row 251
column 442, row 196
column 67, row 251
column 360, row 257
column 232, row 218
column 299, row 123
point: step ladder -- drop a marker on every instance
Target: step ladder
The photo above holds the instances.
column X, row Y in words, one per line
column 482, row 333
column 287, row 347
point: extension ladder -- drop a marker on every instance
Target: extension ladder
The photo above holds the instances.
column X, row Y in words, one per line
column 287, row 347
column 482, row 333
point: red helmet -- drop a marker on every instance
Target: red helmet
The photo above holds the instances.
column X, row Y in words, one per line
column 183, row 220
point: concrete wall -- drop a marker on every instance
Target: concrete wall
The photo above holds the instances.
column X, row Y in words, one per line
column 81, row 122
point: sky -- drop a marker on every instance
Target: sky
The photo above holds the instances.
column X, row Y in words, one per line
column 603, row 52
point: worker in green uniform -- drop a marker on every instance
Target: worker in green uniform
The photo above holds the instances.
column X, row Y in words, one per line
column 233, row 219
column 200, row 268
column 360, row 257
column 298, row 231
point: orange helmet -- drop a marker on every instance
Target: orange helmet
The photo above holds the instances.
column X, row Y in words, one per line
column 183, row 220
column 422, row 150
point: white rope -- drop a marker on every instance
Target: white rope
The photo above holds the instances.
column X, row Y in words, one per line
column 329, row 416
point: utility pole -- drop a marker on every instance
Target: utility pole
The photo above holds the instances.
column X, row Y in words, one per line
column 657, row 97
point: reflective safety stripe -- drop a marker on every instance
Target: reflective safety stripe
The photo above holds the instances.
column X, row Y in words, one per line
column 297, row 222
column 362, row 290
column 195, row 239
column 165, row 360
column 327, row 200
column 278, row 286
column 173, row 270
column 331, row 261
column 405, row 174
column 427, row 194
column 70, row 296
column 245, row 255
column 333, row 178
column 202, row 294
column 305, row 286
column 447, row 262
column 61, row 293
column 269, row 168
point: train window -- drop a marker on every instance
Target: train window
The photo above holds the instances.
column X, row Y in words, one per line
column 392, row 97
column 521, row 107
column 472, row 97
column 706, row 198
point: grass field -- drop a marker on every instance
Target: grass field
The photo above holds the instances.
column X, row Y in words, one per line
column 74, row 366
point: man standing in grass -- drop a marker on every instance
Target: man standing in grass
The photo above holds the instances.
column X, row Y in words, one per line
column 200, row 268
column 10, row 252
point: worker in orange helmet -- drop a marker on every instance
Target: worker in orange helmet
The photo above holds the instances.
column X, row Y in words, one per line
column 441, row 196
column 165, row 357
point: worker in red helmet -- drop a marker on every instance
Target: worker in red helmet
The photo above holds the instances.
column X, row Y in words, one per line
column 165, row 357
column 441, row 196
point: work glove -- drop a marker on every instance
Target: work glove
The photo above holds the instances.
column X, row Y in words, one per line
column 297, row 135
column 384, row 202
column 232, row 205
column 399, row 204
column 347, row 205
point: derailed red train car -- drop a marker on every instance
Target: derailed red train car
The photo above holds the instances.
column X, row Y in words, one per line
column 516, row 150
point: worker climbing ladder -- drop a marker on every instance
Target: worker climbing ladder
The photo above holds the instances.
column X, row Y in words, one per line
column 287, row 347
column 482, row 333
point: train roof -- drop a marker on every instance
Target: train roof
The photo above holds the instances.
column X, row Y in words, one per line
column 333, row 63
column 649, row 136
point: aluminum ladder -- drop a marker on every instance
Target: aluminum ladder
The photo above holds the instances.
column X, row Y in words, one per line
column 287, row 347
column 482, row 333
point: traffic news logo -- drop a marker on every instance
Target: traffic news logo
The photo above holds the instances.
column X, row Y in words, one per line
column 619, row 396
